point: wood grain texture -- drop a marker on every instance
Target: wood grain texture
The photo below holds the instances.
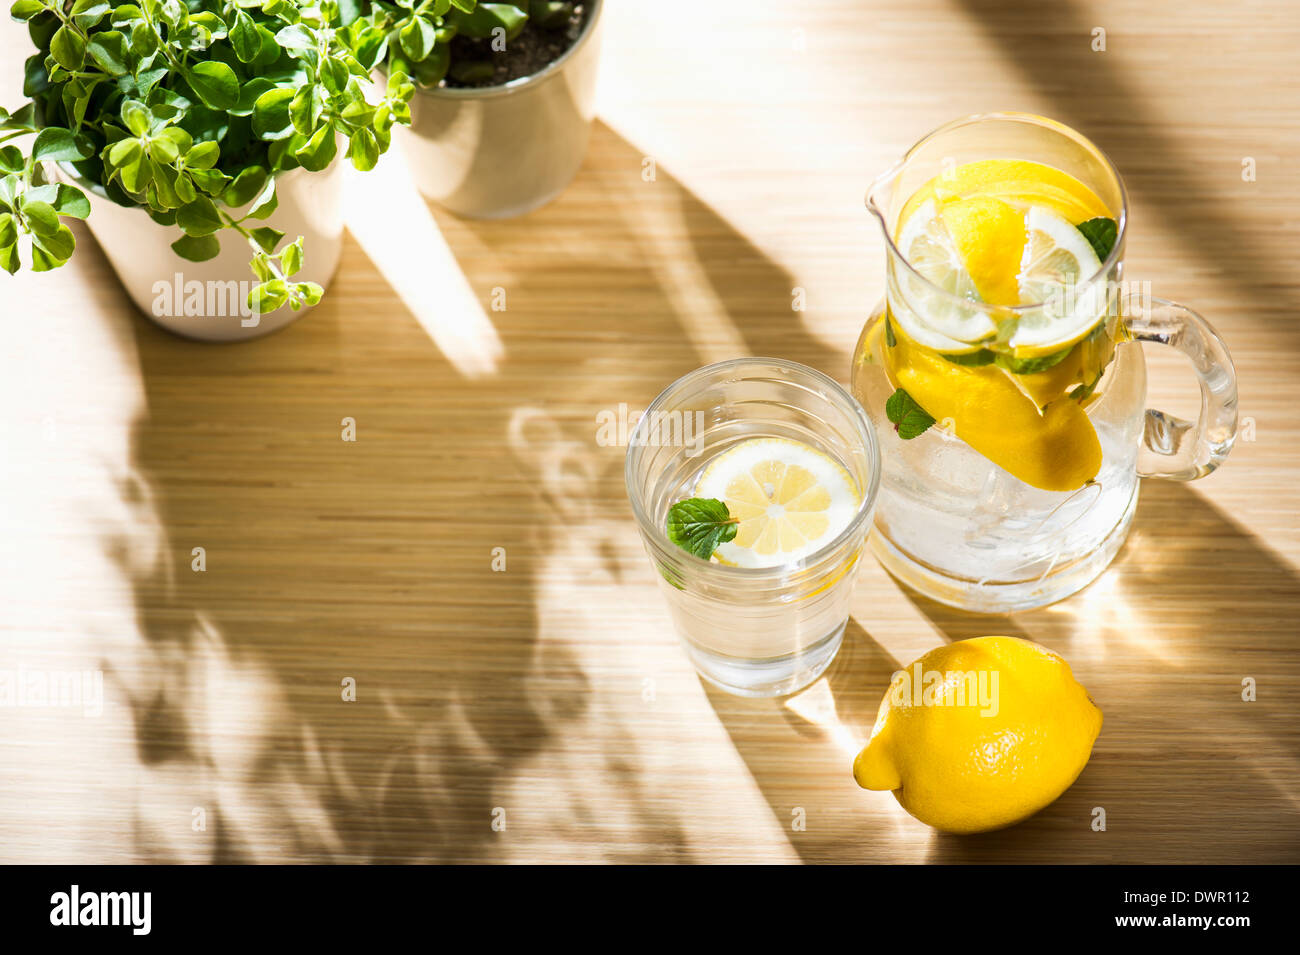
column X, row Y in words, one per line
column 554, row 691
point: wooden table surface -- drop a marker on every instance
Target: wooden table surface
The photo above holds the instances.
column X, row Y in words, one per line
column 545, row 713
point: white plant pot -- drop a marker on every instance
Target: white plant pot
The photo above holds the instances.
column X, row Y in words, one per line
column 208, row 300
column 498, row 151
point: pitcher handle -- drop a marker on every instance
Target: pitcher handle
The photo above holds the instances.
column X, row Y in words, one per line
column 1171, row 447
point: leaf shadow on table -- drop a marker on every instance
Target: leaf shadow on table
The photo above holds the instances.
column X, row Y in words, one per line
column 478, row 732
column 1193, row 604
column 333, row 562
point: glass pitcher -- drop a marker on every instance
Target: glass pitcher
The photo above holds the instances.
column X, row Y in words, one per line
column 950, row 522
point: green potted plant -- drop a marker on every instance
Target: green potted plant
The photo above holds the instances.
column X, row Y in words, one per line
column 202, row 138
column 505, row 94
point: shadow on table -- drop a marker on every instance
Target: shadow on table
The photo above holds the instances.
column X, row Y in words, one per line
column 1193, row 604
column 478, row 732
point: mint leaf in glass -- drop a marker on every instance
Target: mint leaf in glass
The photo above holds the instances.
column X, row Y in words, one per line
column 910, row 419
column 700, row 524
column 1101, row 234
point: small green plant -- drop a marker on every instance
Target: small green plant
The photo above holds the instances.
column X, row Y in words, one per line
column 188, row 109
column 416, row 37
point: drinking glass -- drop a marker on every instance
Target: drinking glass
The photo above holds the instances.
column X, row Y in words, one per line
column 753, row 631
column 957, row 527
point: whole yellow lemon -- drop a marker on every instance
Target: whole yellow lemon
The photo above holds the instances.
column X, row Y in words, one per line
column 980, row 734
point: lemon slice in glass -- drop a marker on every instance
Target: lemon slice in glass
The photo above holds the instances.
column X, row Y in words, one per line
column 790, row 500
column 947, row 322
column 1057, row 260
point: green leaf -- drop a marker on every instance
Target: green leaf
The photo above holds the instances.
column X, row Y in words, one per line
column 291, row 258
column 486, row 17
column 124, row 152
column 11, row 159
column 416, row 38
column 199, row 217
column 320, row 149
column 248, row 94
column 66, row 200
column 68, row 47
column 910, row 419
column 549, row 14
column 40, row 216
column 1032, row 366
column 163, row 150
column 271, row 118
column 58, row 245
column 215, row 83
column 109, row 49
column 296, row 37
column 472, row 72
column 268, row 296
column 54, row 144
column 211, row 181
column 136, row 175
column 1101, row 234
column 245, row 38
column 267, row 238
column 9, row 258
column 311, row 292
column 363, row 150
column 700, row 524
column 136, row 117
column 430, row 72
column 304, row 109
column 973, row 359
column 270, row 49
column 250, row 181
column 87, row 13
column 21, row 119
column 197, row 248
column 266, row 203
column 260, row 264
column 202, row 156
column 26, row 9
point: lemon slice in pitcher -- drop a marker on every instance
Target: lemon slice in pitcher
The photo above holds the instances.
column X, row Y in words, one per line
column 949, row 323
column 790, row 500
column 1058, row 259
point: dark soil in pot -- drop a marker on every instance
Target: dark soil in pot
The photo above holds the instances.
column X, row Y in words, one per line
column 475, row 64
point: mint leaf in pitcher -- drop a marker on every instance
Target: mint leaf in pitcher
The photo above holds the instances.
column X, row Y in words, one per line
column 1101, row 234
column 700, row 524
column 910, row 419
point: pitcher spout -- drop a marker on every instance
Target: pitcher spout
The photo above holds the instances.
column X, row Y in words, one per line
column 880, row 193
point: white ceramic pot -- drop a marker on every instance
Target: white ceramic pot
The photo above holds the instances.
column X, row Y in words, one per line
column 500, row 151
column 208, row 300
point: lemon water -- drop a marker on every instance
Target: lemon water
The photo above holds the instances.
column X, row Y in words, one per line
column 1009, row 477
column 969, row 533
column 796, row 461
column 765, row 647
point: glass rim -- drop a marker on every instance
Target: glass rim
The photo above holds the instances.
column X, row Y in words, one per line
column 1031, row 119
column 777, row 572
